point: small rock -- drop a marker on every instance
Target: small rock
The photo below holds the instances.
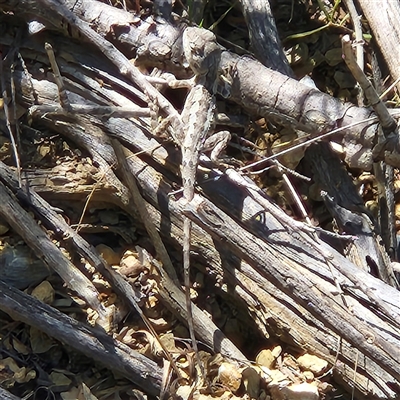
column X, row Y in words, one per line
column 397, row 210
column 308, row 376
column 312, row 363
column 266, row 358
column 130, row 265
column 278, row 378
column 44, row 292
column 20, row 268
column 183, row 392
column 109, row 255
column 276, row 351
column 60, row 379
column 229, row 376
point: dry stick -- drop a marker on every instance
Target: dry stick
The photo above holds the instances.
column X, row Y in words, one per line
column 359, row 41
column 390, row 88
column 385, row 118
column 290, row 223
column 137, row 199
column 139, row 202
column 310, row 238
column 88, row 200
column 357, row 30
column 389, row 128
column 5, row 395
column 104, row 111
column 264, row 36
column 118, row 283
column 295, row 196
column 23, row 224
column 208, row 218
column 62, row 93
column 8, row 119
column 153, row 233
column 272, row 208
column 15, row 119
column 308, row 142
column 66, row 106
column 92, row 342
column 292, row 191
column 62, row 15
column 174, row 297
column 142, row 210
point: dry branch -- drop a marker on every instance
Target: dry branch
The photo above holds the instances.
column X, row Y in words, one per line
column 5, row 395
column 383, row 17
column 264, row 36
column 93, row 343
column 44, row 248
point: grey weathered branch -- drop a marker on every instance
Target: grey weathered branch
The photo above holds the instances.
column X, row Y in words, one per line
column 93, row 343
column 44, row 248
column 264, row 35
column 381, row 16
column 267, row 279
column 7, row 395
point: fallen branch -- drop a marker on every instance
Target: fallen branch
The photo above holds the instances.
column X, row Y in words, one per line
column 93, row 343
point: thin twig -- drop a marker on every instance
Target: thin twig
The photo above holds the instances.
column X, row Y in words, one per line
column 63, row 16
column 63, row 96
column 359, row 42
column 7, row 113
column 308, row 142
column 154, row 235
column 385, row 118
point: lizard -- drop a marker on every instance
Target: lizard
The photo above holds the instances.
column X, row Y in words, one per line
column 203, row 54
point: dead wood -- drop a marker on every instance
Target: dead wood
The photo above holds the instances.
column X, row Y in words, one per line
column 34, row 236
column 255, row 280
column 264, row 36
column 381, row 16
column 278, row 244
column 91, row 342
column 6, row 395
column 267, row 268
column 346, row 206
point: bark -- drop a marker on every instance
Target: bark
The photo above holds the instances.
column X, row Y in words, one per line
column 264, row 36
column 383, row 19
column 347, row 207
column 33, row 235
column 276, row 277
column 95, row 344
column 7, row 395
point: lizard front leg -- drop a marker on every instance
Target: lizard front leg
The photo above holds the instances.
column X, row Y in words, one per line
column 216, row 144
